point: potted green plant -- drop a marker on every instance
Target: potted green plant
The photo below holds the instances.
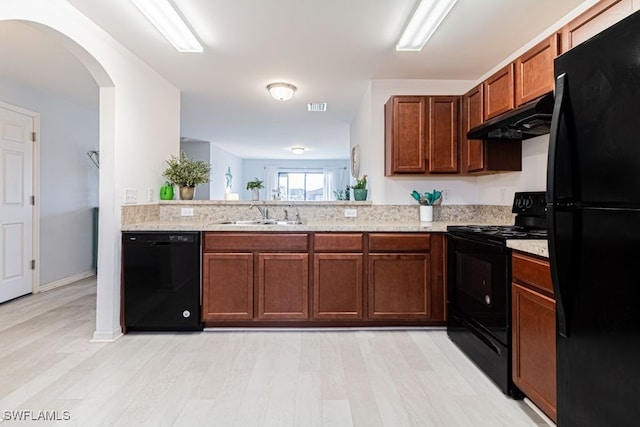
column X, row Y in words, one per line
column 187, row 174
column 360, row 188
column 254, row 186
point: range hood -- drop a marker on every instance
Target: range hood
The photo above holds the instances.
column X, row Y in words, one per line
column 527, row 121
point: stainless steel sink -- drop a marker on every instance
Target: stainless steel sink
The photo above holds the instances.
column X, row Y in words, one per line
column 256, row 222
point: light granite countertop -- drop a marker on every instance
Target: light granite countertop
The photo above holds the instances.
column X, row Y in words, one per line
column 535, row 247
column 317, row 226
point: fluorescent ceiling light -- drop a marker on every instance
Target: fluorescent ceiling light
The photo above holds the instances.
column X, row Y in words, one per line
column 281, row 91
column 423, row 23
column 166, row 20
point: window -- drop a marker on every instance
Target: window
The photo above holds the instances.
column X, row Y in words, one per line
column 301, row 185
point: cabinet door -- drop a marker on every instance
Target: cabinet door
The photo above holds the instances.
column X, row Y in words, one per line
column 405, row 135
column 498, row 93
column 283, row 286
column 443, row 134
column 337, row 286
column 227, row 286
column 534, row 347
column 534, row 70
column 472, row 115
column 600, row 17
column 399, row 286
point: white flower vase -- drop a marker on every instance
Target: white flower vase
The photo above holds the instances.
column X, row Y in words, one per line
column 426, row 213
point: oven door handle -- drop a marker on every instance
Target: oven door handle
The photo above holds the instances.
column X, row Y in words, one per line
column 497, row 247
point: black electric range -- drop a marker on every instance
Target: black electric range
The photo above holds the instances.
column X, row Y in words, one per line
column 479, row 286
column 530, row 222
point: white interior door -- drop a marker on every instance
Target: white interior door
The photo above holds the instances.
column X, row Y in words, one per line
column 16, row 210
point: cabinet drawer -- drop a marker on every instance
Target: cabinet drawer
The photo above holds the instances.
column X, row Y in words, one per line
column 531, row 271
column 338, row 242
column 280, row 242
column 399, row 242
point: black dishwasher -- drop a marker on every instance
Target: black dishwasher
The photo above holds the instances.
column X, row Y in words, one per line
column 161, row 281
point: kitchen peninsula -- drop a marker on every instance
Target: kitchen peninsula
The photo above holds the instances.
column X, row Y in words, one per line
column 380, row 268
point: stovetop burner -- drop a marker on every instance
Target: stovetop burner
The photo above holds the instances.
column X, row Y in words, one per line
column 530, row 222
column 499, row 231
column 502, row 230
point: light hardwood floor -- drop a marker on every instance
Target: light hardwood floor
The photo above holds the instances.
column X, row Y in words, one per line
column 283, row 378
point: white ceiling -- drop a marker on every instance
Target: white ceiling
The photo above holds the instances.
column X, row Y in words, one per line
column 329, row 49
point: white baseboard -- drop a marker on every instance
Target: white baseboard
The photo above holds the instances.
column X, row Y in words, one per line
column 66, row 280
column 99, row 336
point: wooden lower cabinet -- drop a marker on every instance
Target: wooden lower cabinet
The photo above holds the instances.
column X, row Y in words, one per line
column 323, row 279
column 534, row 332
column 399, row 286
column 227, row 292
column 405, row 277
column 283, row 286
column 337, row 286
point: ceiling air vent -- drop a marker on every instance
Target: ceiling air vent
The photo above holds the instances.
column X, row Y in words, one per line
column 317, row 106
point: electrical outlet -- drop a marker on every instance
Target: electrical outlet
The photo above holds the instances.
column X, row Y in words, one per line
column 350, row 213
column 186, row 211
column 150, row 195
column 446, row 196
column 130, row 195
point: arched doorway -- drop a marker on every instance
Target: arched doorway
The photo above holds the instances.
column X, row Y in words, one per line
column 139, row 128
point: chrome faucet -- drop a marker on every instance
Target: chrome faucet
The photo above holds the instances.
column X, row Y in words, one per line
column 298, row 220
column 264, row 211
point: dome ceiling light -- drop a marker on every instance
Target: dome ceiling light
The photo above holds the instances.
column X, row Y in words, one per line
column 281, row 91
column 297, row 150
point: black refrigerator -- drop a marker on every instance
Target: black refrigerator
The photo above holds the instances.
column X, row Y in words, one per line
column 593, row 202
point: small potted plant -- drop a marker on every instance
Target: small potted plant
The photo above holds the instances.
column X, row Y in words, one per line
column 187, row 174
column 360, row 188
column 254, row 186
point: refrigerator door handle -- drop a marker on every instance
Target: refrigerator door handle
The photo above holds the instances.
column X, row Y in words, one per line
column 559, row 287
column 553, row 137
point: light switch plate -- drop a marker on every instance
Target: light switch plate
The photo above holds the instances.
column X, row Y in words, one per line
column 130, row 196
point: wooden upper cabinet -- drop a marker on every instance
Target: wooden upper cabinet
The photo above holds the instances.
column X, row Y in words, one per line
column 405, row 135
column 498, row 92
column 534, row 70
column 599, row 17
column 443, row 134
column 472, row 116
column 484, row 157
column 421, row 135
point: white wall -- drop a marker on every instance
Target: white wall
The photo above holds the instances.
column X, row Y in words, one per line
column 499, row 189
column 220, row 161
column 197, row 150
column 139, row 130
column 68, row 179
column 255, row 168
